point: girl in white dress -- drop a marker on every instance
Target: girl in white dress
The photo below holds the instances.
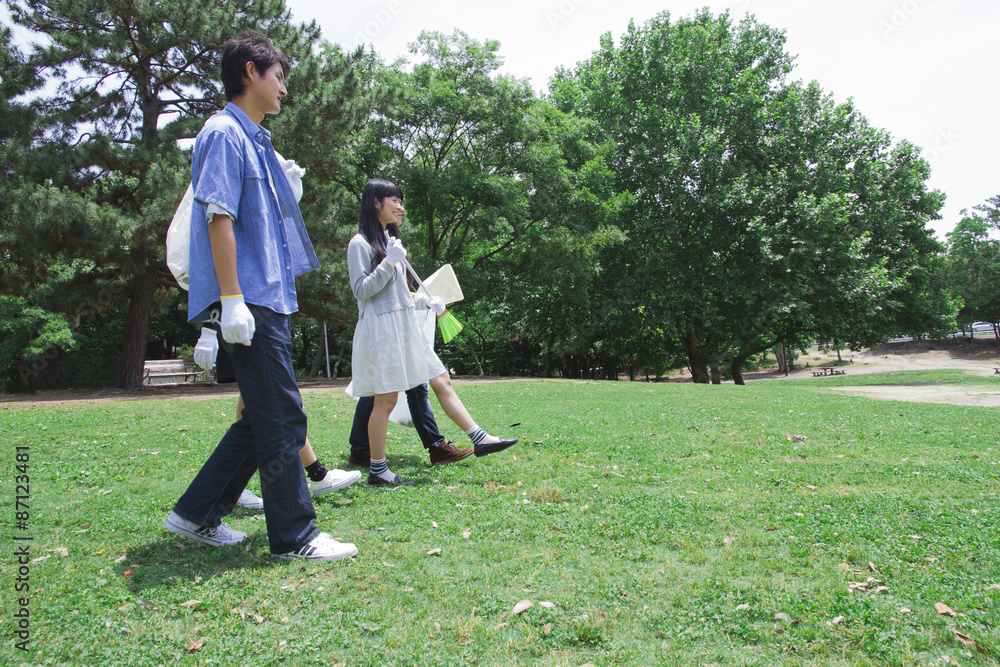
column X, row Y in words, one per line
column 389, row 354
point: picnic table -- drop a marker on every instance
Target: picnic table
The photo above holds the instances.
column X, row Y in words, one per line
column 828, row 370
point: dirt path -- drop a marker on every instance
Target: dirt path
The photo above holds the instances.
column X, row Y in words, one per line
column 193, row 391
column 979, row 358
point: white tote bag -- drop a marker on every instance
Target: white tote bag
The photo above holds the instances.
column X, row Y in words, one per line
column 179, row 231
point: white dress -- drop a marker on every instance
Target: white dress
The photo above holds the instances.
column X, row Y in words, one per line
column 389, row 354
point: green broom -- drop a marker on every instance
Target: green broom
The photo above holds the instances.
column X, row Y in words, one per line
column 450, row 326
column 448, row 323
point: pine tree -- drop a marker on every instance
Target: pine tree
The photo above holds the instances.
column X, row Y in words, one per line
column 131, row 79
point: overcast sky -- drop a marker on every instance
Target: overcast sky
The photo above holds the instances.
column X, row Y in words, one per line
column 925, row 70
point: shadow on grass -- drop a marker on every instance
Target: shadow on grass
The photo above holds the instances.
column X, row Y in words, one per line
column 176, row 560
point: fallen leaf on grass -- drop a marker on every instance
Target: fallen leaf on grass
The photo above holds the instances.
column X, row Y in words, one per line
column 795, row 438
column 728, row 540
column 880, row 590
column 180, row 546
column 546, row 604
column 128, row 574
column 190, row 603
column 838, row 620
column 742, row 607
column 120, row 558
column 466, row 534
column 967, row 641
column 146, row 604
column 521, row 606
column 434, row 552
column 61, row 551
column 781, row 617
column 41, row 558
column 871, row 566
column 195, row 645
column 811, row 487
column 384, row 564
column 905, row 610
column 547, row 628
column 944, row 609
column 123, row 606
column 434, row 524
column 500, row 625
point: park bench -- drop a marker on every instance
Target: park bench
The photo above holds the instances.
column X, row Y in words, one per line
column 167, row 371
column 827, row 370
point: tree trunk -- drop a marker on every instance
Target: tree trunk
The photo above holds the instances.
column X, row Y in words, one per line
column 136, row 333
column 340, row 357
column 697, row 359
column 736, row 368
column 318, row 358
column 713, row 362
column 779, row 355
column 475, row 357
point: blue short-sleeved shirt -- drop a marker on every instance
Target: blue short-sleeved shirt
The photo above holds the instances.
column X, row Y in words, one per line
column 272, row 246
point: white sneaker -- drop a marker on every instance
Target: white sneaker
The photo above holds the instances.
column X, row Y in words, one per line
column 321, row 547
column 214, row 537
column 249, row 500
column 335, row 480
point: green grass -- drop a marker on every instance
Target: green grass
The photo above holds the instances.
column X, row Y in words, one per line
column 662, row 524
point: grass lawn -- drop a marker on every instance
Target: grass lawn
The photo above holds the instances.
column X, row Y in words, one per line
column 646, row 524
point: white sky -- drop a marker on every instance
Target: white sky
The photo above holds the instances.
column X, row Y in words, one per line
column 925, row 70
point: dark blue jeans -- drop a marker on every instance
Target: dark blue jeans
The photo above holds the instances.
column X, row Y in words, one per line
column 420, row 411
column 267, row 439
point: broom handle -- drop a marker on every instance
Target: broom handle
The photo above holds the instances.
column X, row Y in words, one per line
column 419, row 281
column 413, row 273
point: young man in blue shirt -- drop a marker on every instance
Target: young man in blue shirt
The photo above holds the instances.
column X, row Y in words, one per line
column 248, row 244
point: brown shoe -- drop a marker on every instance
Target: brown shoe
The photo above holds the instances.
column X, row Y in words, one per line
column 358, row 461
column 447, row 453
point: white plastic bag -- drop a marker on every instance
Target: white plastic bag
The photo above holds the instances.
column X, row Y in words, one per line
column 179, row 231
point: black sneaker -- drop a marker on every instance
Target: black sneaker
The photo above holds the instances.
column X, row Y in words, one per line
column 483, row 450
column 375, row 480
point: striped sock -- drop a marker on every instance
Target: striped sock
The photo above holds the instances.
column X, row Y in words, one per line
column 380, row 468
column 480, row 437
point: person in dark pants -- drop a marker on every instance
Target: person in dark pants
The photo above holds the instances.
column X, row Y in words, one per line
column 422, row 414
column 208, row 354
column 248, row 244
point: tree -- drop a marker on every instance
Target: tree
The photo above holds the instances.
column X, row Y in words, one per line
column 514, row 193
column 764, row 212
column 104, row 179
column 973, row 267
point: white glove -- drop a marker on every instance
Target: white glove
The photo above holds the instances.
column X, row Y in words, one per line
column 206, row 349
column 396, row 253
column 237, row 320
column 436, row 304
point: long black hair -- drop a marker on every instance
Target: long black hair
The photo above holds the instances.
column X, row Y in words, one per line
column 369, row 227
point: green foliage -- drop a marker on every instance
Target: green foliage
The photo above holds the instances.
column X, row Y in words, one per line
column 661, row 524
column 763, row 213
column 29, row 336
column 973, row 268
